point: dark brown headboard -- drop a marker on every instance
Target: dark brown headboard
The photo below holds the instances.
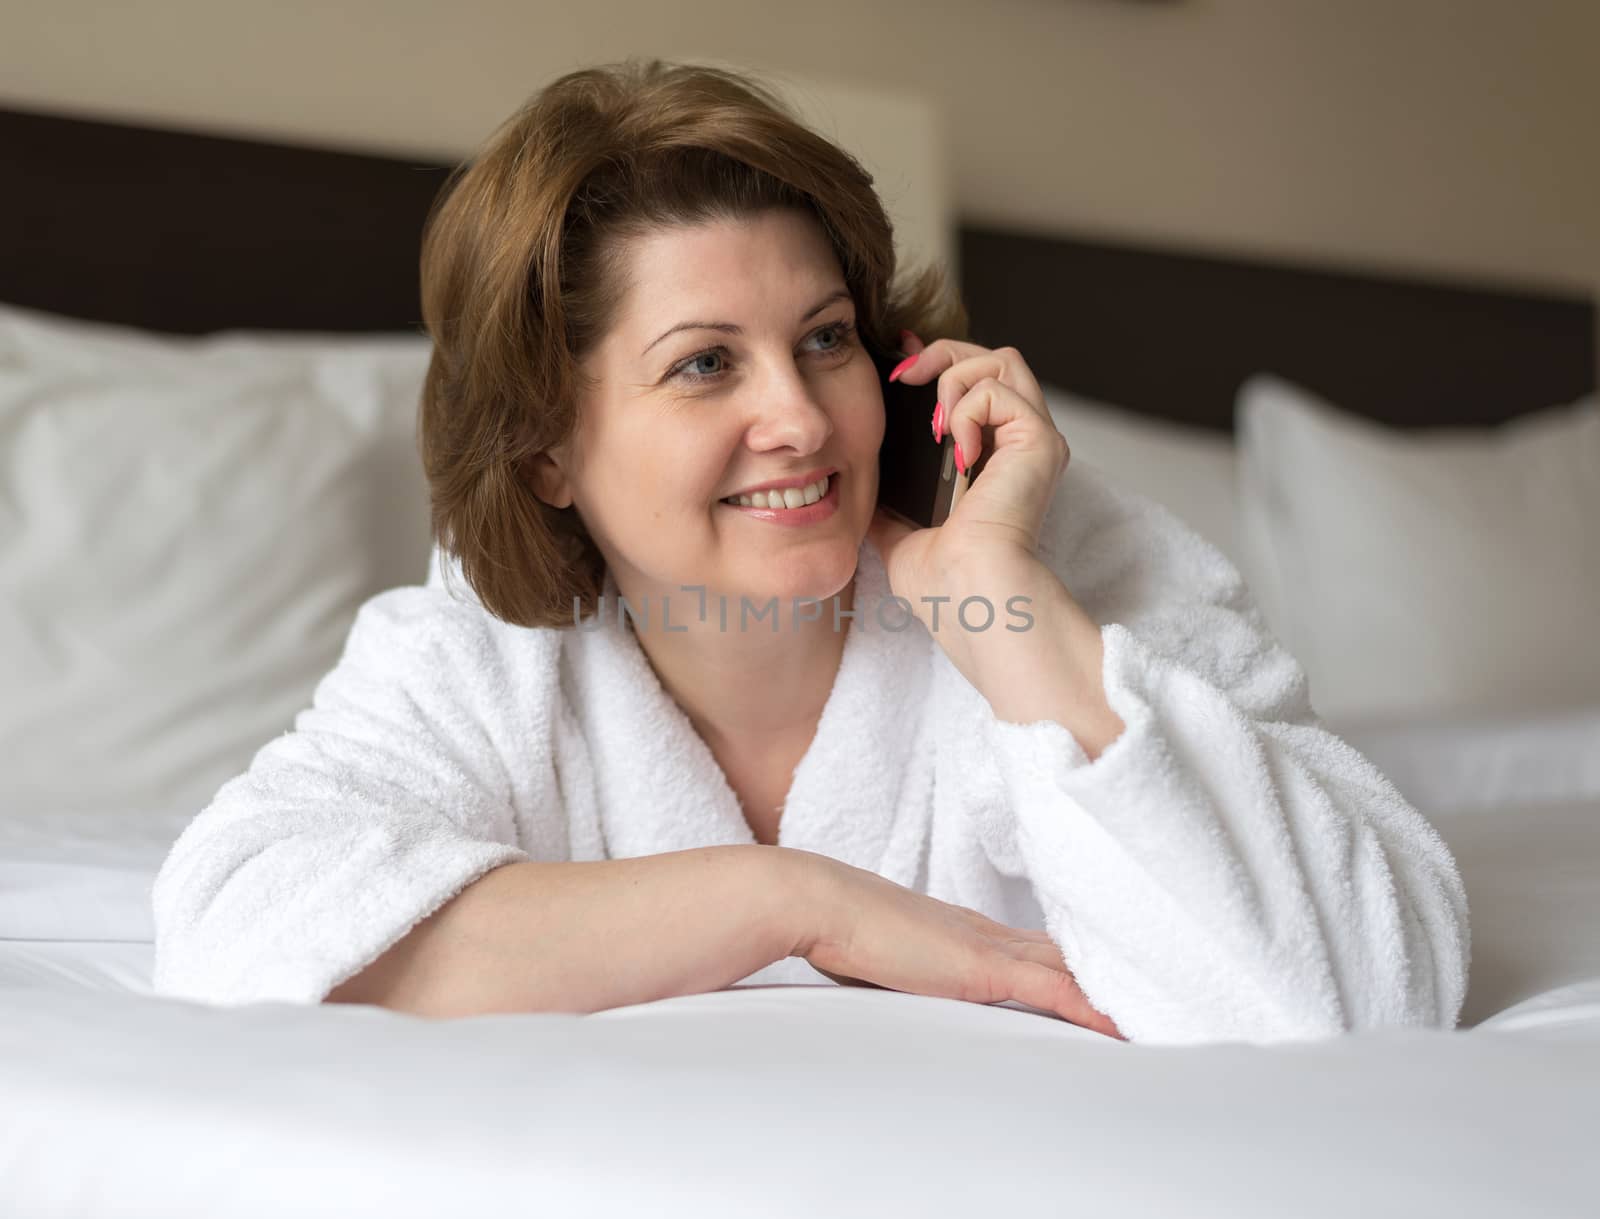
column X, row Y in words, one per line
column 190, row 233
column 1174, row 334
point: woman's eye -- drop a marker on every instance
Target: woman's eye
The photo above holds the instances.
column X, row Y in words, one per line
column 837, row 331
column 841, row 332
column 686, row 370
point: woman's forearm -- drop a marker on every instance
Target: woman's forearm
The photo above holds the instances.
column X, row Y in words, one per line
column 1049, row 671
column 586, row 936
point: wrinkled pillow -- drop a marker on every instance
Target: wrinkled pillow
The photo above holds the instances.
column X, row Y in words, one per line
column 187, row 528
column 1188, row 470
column 1432, row 573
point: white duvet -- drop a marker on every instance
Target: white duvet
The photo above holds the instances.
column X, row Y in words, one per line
column 781, row 1100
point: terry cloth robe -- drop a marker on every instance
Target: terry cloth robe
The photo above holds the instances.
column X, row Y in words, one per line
column 1227, row 869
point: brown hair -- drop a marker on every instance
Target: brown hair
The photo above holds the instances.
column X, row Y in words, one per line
column 522, row 274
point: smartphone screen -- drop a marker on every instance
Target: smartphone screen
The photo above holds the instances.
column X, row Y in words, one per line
column 917, row 478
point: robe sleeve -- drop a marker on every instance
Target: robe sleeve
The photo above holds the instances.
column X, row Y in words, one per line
column 1227, row 868
column 386, row 800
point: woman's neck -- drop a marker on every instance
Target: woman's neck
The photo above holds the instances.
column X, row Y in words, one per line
column 746, row 687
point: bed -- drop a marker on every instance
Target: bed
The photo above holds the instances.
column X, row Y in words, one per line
column 221, row 335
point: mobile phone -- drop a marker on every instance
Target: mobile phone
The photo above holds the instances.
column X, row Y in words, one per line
column 917, row 478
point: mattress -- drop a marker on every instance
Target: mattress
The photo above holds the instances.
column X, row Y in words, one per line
column 780, row 1100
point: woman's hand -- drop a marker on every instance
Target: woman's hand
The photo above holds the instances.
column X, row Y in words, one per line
column 869, row 930
column 987, row 398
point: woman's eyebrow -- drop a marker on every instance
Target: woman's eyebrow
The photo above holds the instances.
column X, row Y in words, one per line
column 730, row 328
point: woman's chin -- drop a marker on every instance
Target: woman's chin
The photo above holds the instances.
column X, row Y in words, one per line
column 816, row 578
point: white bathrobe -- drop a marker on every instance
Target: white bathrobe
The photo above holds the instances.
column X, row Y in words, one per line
column 1227, row 869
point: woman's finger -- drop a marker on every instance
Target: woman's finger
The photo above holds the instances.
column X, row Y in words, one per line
column 958, row 366
column 1042, row 952
column 1050, row 990
column 992, row 404
column 1038, row 937
column 1061, row 990
column 1032, row 451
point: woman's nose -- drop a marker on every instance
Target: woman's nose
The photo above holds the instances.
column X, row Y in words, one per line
column 790, row 414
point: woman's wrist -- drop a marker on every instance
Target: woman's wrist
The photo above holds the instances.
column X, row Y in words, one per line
column 798, row 883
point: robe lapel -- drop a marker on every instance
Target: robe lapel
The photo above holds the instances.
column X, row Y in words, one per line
column 862, row 792
column 856, row 793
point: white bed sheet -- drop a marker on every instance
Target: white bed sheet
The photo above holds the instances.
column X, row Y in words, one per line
column 781, row 1100
column 83, row 876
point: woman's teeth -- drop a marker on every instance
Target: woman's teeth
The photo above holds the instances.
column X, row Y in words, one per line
column 789, row 497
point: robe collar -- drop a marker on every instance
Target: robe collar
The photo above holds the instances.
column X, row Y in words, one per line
column 856, row 793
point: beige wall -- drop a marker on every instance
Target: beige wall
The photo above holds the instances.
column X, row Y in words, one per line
column 1458, row 137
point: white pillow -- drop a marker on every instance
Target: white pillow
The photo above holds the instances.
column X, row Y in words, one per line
column 1188, row 470
column 1425, row 573
column 1484, row 763
column 187, row 528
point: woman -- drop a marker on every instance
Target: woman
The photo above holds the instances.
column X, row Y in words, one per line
column 655, row 299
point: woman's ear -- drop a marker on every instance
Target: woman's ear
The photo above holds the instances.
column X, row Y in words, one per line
column 548, row 479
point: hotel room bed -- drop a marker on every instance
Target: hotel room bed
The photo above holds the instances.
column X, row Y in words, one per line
column 786, row 1100
column 769, row 1100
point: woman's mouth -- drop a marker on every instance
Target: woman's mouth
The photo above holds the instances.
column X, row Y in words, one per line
column 786, row 500
column 791, row 506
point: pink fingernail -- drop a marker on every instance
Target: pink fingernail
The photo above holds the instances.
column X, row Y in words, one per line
column 961, row 462
column 902, row 366
column 938, row 422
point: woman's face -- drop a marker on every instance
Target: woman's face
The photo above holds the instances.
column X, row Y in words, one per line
column 734, row 365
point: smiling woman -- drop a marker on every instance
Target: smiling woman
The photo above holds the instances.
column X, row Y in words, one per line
column 572, row 272
column 786, row 423
column 660, row 306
